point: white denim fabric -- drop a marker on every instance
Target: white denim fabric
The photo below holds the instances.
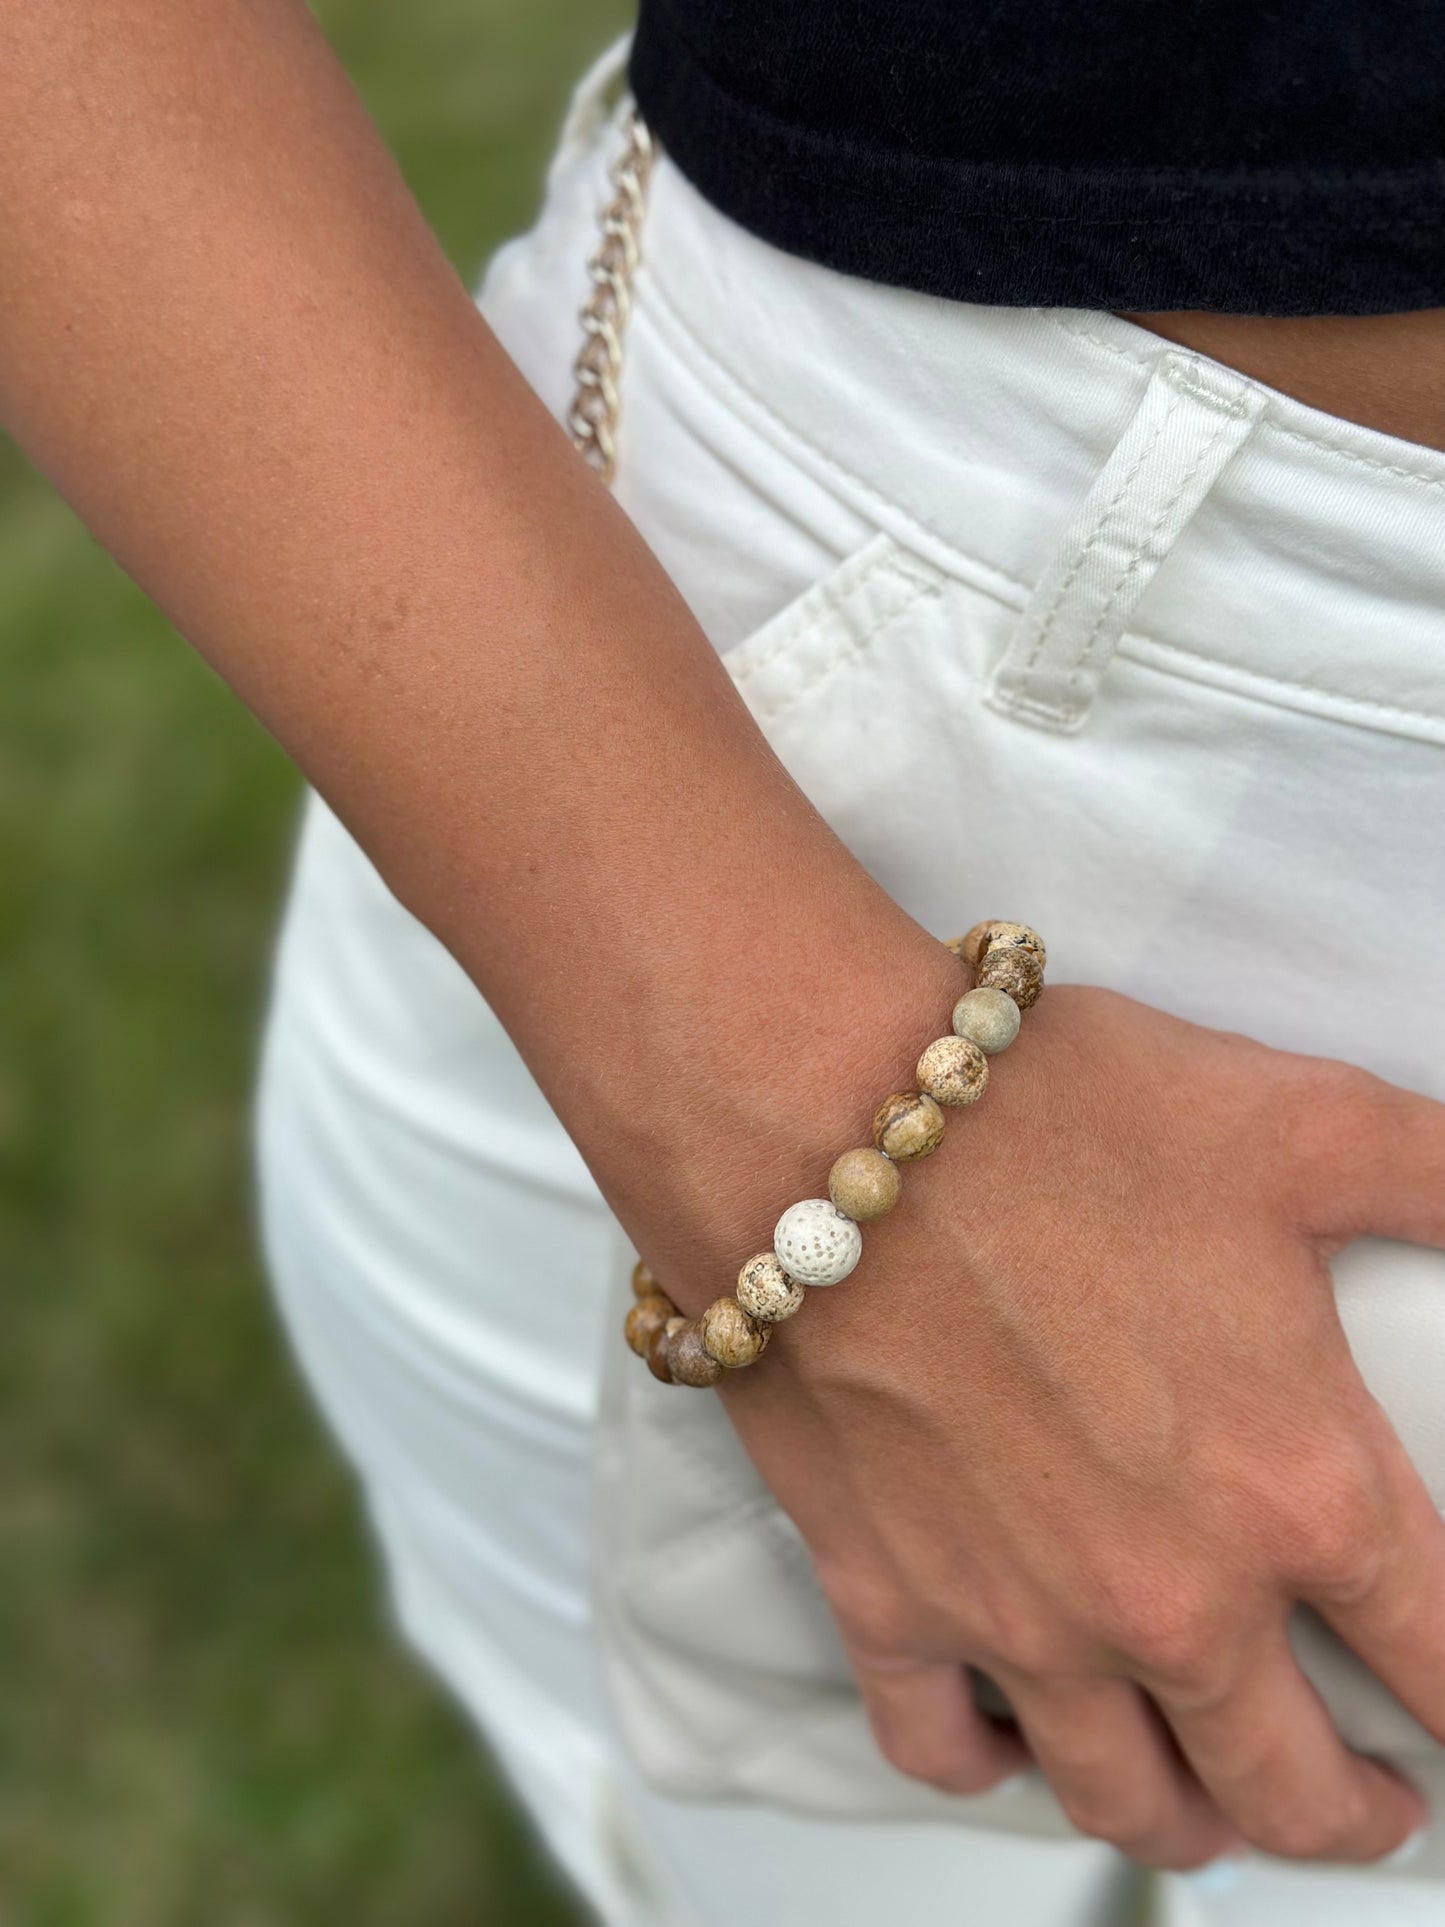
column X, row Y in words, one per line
column 1050, row 619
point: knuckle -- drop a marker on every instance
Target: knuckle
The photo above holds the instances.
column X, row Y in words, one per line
column 1329, row 1536
column 1326, row 1098
column 1087, row 1815
column 972, row 1776
column 1031, row 1645
column 1345, row 1568
column 1129, row 1823
column 919, row 1757
column 873, row 1615
column 1033, row 1656
column 1201, row 1853
column 1288, row 1837
column 1331, row 1116
column 910, row 1755
column 1318, row 1833
column 1168, row 1630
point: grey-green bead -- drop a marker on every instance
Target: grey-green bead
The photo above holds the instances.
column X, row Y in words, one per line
column 766, row 1292
column 864, row 1184
column 953, row 1070
column 908, row 1125
column 988, row 1017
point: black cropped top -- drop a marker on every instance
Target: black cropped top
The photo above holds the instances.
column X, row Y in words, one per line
column 1245, row 156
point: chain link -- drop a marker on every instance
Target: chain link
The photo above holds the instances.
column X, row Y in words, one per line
column 596, row 404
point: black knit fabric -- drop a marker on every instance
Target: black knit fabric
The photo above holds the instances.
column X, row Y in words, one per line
column 1131, row 154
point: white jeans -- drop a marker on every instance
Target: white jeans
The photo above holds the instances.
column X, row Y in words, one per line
column 1170, row 649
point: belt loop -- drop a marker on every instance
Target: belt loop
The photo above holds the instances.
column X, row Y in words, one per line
column 1192, row 418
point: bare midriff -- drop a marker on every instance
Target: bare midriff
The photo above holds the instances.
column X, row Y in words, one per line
column 1386, row 371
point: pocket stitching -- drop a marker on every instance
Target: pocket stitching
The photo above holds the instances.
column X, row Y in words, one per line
column 827, row 599
column 854, row 646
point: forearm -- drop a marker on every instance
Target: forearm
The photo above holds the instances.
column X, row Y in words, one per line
column 228, row 336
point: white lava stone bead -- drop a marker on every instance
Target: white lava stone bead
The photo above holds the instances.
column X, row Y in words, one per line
column 815, row 1243
column 989, row 1018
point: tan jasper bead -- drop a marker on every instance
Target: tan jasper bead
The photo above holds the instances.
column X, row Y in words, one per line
column 689, row 1360
column 908, row 1125
column 657, row 1351
column 1018, row 973
column 766, row 1292
column 864, row 1184
column 996, row 934
column 730, row 1336
column 954, row 1070
column 645, row 1319
column 644, row 1285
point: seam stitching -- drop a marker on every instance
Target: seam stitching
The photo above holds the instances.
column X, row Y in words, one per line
column 1091, row 543
column 854, row 647
column 1223, row 670
column 793, row 628
column 1081, row 662
column 1031, row 707
column 1320, row 443
column 1416, row 475
column 1239, row 406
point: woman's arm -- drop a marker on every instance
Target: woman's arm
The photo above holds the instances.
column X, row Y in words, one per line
column 227, row 335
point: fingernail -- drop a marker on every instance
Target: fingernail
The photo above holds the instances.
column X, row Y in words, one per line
column 1221, row 1876
column 1407, row 1850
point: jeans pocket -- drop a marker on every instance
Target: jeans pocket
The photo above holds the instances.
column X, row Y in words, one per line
column 836, row 620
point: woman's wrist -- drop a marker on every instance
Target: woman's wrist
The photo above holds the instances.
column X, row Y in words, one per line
column 818, row 1240
column 756, row 1116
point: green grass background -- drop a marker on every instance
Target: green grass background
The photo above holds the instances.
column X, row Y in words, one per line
column 202, row 1720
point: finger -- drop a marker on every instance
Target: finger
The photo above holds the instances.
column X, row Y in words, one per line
column 1268, row 1752
column 1384, row 1167
column 926, row 1724
column 1389, row 1602
column 1110, row 1760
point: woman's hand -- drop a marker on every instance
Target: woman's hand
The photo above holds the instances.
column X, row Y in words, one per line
column 1086, row 1420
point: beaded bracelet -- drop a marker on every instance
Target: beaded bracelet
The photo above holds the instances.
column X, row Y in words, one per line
column 817, row 1242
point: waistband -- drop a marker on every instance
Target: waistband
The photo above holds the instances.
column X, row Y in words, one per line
column 974, row 435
